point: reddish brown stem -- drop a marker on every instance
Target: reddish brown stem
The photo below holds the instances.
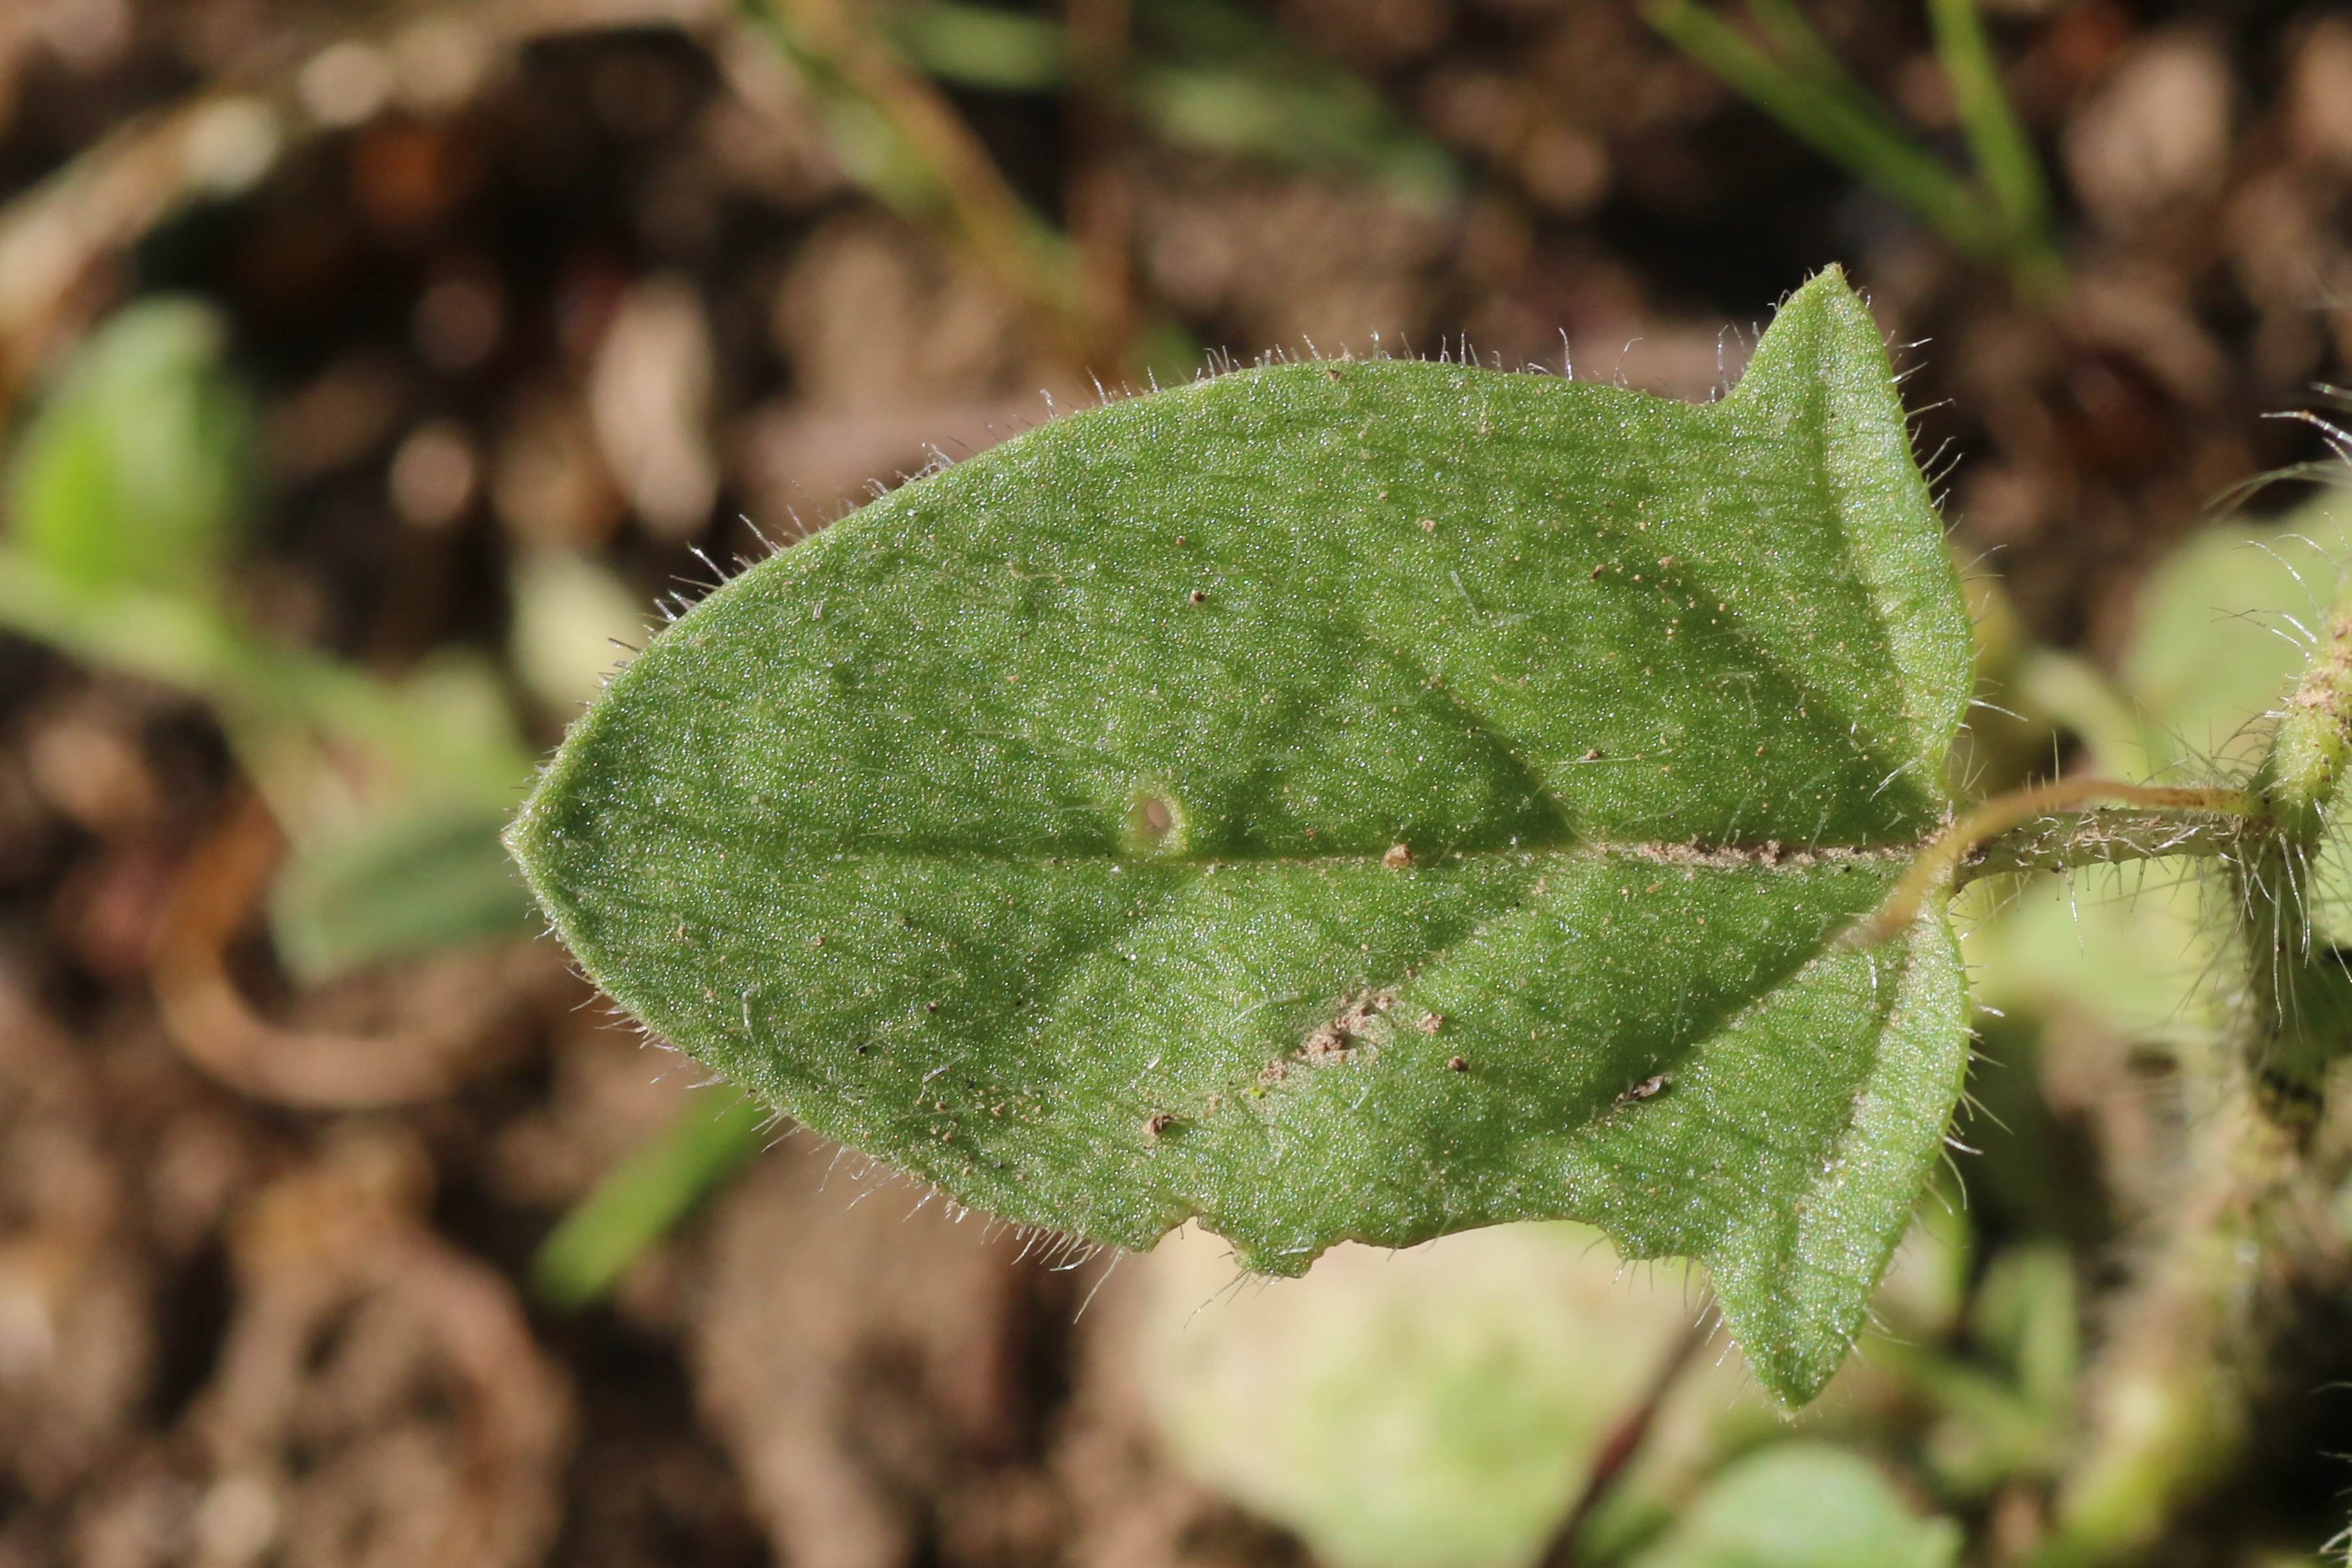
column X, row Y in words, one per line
column 1625, row 1440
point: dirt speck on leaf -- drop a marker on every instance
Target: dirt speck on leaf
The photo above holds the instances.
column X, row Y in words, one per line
column 1334, row 1038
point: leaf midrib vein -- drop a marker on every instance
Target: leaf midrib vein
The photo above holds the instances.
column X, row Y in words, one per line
column 1766, row 856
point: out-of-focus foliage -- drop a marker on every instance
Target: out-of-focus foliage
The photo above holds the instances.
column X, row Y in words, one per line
column 1803, row 1505
column 1217, row 77
column 2003, row 1399
column 644, row 1197
column 1999, row 211
column 136, row 471
column 1436, row 1408
column 412, row 880
column 2224, row 625
column 130, row 494
column 982, row 46
column 574, row 623
column 1207, row 75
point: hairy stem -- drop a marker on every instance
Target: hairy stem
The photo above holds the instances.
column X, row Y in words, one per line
column 2315, row 733
column 2110, row 837
column 2168, row 1395
column 2299, row 992
column 1988, row 839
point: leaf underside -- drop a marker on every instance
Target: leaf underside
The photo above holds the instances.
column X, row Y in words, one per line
column 1033, row 828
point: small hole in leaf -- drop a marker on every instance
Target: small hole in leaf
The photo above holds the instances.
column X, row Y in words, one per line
column 1155, row 823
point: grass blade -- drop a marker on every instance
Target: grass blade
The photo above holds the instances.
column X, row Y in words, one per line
column 645, row 1196
column 1862, row 140
column 979, row 46
column 2003, row 154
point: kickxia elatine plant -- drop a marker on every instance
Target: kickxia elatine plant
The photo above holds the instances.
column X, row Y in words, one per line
column 1367, row 800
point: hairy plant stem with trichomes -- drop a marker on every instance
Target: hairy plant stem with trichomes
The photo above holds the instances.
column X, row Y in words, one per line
column 2166, row 1401
column 2168, row 1395
column 2019, row 832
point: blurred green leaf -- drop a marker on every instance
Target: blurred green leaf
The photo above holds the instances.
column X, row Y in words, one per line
column 647, row 1195
column 263, row 689
column 127, row 497
column 135, row 471
column 982, row 46
column 1985, row 1433
column 2025, row 1317
column 2014, row 1418
column 2073, row 694
column 1434, row 1408
column 1803, row 1505
column 1207, row 75
column 1926, row 1286
column 2133, row 947
column 1212, row 75
column 2224, row 628
column 459, row 698
column 574, row 621
column 420, row 880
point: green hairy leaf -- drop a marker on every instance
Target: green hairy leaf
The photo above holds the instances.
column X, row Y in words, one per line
column 1336, row 800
